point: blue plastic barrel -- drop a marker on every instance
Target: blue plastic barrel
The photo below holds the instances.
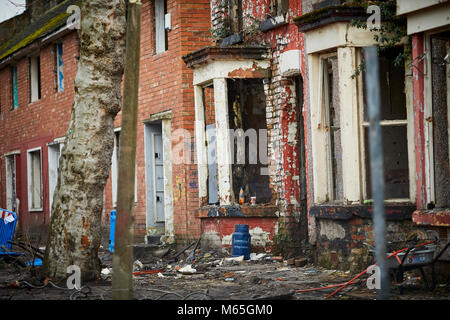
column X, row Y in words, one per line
column 241, row 240
column 112, row 231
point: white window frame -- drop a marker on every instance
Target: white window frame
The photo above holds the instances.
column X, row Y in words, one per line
column 408, row 122
column 428, row 114
column 160, row 23
column 29, row 179
column 324, row 121
column 9, row 178
column 51, row 163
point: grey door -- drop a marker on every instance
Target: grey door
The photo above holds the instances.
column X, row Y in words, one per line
column 155, row 175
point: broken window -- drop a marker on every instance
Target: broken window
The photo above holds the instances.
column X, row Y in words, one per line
column 247, row 121
column 34, row 180
column 394, row 126
column 279, row 7
column 14, row 89
column 34, row 78
column 160, row 29
column 440, row 87
column 59, row 64
column 331, row 118
column 235, row 13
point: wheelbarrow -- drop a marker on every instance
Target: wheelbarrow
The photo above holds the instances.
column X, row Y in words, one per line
column 415, row 256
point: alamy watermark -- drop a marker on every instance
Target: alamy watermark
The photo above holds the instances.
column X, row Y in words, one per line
column 374, row 21
column 374, row 280
column 74, row 20
column 74, row 280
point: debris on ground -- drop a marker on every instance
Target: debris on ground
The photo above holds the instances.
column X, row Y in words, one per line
column 162, row 273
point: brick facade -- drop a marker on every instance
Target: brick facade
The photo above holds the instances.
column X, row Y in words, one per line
column 165, row 85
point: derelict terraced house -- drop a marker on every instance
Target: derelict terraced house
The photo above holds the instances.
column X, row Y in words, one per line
column 38, row 64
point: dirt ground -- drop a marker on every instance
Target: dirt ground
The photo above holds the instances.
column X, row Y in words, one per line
column 160, row 276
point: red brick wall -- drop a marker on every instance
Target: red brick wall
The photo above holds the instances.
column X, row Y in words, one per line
column 166, row 84
column 221, row 229
column 35, row 124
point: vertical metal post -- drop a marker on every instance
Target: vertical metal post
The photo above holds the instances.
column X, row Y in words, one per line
column 122, row 281
column 376, row 165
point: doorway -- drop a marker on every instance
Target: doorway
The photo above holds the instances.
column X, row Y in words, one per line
column 155, row 181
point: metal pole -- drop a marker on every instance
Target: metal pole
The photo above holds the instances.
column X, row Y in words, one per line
column 376, row 165
column 122, row 281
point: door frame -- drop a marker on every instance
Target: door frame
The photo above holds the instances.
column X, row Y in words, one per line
column 165, row 121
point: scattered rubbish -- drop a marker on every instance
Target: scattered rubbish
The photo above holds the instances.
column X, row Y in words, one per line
column 313, row 271
column 229, row 279
column 192, row 255
column 182, row 251
column 277, row 258
column 256, row 257
column 239, row 259
column 207, row 255
column 34, row 262
column 160, row 275
column 228, row 274
column 301, row 262
column 137, row 265
column 187, row 269
column 284, row 269
column 106, row 271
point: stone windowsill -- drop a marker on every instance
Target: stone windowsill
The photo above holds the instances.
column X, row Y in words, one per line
column 345, row 212
column 246, row 211
column 273, row 23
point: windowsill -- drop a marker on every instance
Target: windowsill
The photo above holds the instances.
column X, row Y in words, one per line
column 438, row 217
column 273, row 23
column 32, row 102
column 36, row 210
column 245, row 211
column 337, row 211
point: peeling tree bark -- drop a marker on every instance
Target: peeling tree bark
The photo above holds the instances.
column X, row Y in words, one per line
column 74, row 233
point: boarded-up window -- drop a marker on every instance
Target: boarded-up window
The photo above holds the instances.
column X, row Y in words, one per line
column 34, row 180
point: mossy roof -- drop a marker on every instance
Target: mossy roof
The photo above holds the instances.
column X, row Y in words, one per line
column 50, row 21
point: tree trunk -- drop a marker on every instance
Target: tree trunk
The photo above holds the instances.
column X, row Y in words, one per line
column 75, row 234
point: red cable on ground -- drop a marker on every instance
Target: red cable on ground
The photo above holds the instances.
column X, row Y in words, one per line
column 147, row 272
column 327, row 287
